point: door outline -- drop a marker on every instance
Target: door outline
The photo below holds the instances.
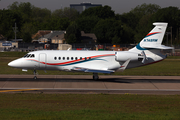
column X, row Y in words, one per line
column 42, row 61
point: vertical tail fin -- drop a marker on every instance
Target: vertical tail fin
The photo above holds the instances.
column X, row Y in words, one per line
column 153, row 39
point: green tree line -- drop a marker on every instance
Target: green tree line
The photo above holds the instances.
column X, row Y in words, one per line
column 108, row 27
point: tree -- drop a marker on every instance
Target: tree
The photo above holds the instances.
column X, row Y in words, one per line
column 116, row 40
column 129, row 19
column 8, row 19
column 55, row 23
column 40, row 15
column 171, row 15
column 145, row 9
column 101, row 12
column 27, row 37
column 67, row 12
column 127, row 35
column 25, row 9
column 143, row 27
column 73, row 34
column 88, row 23
column 139, row 17
column 27, row 31
column 108, row 30
column 14, row 6
column 71, row 39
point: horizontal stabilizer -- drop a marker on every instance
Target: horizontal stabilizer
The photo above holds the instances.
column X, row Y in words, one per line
column 123, row 66
column 79, row 69
column 163, row 47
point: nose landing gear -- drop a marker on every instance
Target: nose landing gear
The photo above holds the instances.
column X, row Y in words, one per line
column 35, row 75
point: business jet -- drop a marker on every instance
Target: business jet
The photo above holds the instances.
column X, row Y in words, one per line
column 145, row 53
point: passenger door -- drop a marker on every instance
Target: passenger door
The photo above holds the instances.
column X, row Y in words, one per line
column 42, row 60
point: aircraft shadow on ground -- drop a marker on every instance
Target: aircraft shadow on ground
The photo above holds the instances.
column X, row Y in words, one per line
column 112, row 80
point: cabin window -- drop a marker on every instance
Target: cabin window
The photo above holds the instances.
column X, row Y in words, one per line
column 76, row 58
column 80, row 58
column 55, row 58
column 67, row 58
column 59, row 58
column 72, row 58
column 85, row 58
column 63, row 58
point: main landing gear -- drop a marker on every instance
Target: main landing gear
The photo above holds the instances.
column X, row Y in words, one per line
column 35, row 74
column 95, row 76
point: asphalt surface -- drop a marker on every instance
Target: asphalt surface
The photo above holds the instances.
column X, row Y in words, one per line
column 84, row 84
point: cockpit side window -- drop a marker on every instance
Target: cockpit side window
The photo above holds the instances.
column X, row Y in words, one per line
column 32, row 55
column 26, row 55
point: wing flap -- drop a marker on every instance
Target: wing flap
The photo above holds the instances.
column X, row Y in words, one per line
column 80, row 69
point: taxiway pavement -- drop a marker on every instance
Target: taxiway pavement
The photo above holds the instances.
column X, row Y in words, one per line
column 85, row 84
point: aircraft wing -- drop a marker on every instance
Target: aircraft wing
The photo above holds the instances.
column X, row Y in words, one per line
column 80, row 69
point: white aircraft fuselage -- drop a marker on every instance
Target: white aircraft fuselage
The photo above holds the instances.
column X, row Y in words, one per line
column 66, row 60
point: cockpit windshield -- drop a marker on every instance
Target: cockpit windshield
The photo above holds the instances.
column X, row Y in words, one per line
column 29, row 55
column 25, row 55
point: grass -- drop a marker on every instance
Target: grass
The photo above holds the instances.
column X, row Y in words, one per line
column 12, row 54
column 168, row 67
column 88, row 106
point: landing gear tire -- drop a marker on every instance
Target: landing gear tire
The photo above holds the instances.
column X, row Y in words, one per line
column 95, row 76
column 35, row 77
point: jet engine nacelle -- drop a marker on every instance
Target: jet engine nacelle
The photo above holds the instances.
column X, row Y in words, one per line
column 123, row 56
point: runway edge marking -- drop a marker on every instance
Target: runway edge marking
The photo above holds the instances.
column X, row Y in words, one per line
column 18, row 90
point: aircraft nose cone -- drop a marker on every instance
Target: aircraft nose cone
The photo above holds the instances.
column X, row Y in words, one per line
column 12, row 64
column 15, row 63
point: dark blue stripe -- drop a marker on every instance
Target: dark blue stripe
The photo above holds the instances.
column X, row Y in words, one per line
column 139, row 47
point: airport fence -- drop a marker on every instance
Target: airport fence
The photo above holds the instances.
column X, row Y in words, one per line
column 27, row 47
